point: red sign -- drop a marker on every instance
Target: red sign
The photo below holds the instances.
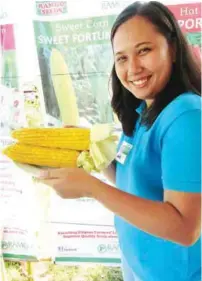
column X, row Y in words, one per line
column 188, row 16
column 49, row 8
column 7, row 41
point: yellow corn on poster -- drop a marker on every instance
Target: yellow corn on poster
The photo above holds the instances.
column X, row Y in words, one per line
column 64, row 90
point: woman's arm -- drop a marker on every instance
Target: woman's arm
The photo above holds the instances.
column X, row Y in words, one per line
column 176, row 219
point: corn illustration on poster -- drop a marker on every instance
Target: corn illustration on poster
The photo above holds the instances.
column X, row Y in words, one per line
column 64, row 90
column 75, row 62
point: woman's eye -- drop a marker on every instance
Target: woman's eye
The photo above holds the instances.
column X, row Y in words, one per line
column 144, row 51
column 121, row 59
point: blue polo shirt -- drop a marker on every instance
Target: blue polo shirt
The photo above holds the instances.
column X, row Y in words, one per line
column 165, row 157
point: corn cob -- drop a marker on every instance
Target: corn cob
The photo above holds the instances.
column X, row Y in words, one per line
column 64, row 90
column 42, row 156
column 68, row 138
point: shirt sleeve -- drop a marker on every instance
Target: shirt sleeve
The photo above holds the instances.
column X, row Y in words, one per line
column 181, row 153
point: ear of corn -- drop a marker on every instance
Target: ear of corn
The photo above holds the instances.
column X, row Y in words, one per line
column 61, row 147
column 64, row 90
column 42, row 156
column 86, row 162
column 68, row 138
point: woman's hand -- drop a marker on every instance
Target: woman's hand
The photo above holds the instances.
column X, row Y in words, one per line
column 68, row 182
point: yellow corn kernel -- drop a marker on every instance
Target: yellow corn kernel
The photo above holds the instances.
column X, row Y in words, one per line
column 42, row 156
column 68, row 138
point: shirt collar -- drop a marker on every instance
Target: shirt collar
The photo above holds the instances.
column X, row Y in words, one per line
column 141, row 107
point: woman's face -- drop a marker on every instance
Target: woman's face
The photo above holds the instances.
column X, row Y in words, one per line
column 143, row 58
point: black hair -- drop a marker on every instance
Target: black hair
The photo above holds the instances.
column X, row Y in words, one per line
column 185, row 76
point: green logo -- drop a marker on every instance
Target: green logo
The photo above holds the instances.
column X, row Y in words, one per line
column 108, row 248
column 102, row 248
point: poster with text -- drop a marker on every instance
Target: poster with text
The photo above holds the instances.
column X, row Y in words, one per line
column 17, row 211
column 8, row 64
column 75, row 60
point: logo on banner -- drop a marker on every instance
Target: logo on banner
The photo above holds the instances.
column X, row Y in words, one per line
column 110, row 5
column 11, row 245
column 108, row 248
column 51, row 8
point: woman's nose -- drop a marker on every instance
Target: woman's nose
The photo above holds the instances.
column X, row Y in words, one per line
column 134, row 66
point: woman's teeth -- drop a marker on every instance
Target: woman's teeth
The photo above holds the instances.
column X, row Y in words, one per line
column 140, row 82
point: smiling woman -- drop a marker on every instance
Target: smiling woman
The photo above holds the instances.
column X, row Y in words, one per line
column 152, row 61
column 156, row 85
column 137, row 45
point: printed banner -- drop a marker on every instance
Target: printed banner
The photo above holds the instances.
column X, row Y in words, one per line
column 83, row 210
column 8, row 65
column 190, row 21
column 188, row 16
column 11, row 110
column 83, row 231
column 75, row 59
column 19, row 243
column 18, row 216
column 7, row 41
column 79, row 244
